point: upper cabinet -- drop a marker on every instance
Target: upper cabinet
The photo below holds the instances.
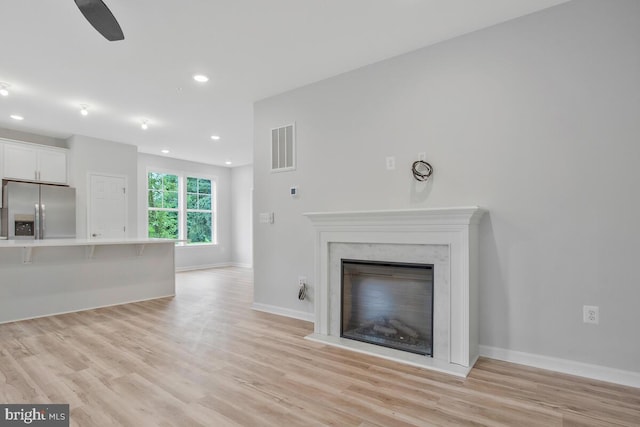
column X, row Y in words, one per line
column 30, row 162
column 1, row 169
column 1, row 159
column 52, row 165
column 20, row 162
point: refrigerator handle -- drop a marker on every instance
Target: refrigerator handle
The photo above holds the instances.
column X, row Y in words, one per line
column 43, row 222
column 36, row 225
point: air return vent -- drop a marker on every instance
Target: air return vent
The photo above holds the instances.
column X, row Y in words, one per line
column 283, row 148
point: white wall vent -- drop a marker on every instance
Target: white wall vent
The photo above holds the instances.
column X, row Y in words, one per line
column 283, row 151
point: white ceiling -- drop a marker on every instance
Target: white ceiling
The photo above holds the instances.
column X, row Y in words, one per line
column 250, row 49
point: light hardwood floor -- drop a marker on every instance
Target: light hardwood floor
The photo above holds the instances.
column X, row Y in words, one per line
column 205, row 358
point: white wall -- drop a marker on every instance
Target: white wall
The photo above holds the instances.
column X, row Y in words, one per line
column 17, row 135
column 242, row 227
column 193, row 256
column 536, row 120
column 92, row 155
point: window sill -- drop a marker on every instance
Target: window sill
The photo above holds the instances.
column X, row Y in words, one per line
column 195, row 245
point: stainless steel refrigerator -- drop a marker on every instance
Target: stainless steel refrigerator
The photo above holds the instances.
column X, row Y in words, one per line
column 38, row 211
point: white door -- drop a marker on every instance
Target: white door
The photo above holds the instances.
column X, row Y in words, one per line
column 107, row 207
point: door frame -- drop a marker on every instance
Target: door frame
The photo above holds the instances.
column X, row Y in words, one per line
column 90, row 195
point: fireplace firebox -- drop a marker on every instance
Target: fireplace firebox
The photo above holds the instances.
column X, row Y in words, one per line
column 388, row 304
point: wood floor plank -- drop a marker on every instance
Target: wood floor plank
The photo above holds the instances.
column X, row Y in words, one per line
column 204, row 358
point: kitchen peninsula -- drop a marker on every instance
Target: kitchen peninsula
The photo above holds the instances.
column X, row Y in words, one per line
column 46, row 277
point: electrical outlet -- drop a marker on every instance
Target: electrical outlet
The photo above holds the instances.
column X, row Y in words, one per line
column 422, row 156
column 302, row 288
column 591, row 314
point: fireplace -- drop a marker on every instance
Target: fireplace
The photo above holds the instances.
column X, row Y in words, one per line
column 444, row 238
column 388, row 304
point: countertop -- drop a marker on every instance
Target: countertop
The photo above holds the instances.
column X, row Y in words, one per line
column 79, row 242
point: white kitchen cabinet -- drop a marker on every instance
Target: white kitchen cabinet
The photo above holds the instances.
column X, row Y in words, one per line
column 1, row 169
column 31, row 162
column 20, row 162
column 52, row 165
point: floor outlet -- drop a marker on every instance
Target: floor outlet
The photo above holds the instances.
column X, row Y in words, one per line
column 591, row 314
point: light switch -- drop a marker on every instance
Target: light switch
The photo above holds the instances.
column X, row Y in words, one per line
column 266, row 218
column 391, row 163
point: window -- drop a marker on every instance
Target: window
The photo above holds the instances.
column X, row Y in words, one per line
column 181, row 207
column 199, row 229
column 163, row 206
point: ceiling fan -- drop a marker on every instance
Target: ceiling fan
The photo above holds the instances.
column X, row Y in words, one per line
column 99, row 15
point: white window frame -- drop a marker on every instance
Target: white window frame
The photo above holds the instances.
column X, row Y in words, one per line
column 182, row 205
column 146, row 198
column 213, row 210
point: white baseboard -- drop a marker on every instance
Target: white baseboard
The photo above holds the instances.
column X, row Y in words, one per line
column 241, row 265
column 565, row 366
column 302, row 315
column 203, row 267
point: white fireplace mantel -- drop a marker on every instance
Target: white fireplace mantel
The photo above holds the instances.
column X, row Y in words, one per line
column 446, row 235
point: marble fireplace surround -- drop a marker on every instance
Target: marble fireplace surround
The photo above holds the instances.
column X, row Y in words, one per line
column 444, row 237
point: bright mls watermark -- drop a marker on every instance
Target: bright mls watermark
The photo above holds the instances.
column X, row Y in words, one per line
column 53, row 415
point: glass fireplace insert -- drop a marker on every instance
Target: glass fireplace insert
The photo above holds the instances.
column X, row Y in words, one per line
column 388, row 304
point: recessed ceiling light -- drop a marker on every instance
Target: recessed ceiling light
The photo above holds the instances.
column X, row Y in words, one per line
column 228, row 162
column 84, row 109
column 201, row 78
column 215, row 137
column 144, row 125
column 16, row 117
column 165, row 151
column 4, row 89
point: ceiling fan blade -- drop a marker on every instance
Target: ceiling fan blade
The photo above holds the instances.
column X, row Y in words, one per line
column 99, row 15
